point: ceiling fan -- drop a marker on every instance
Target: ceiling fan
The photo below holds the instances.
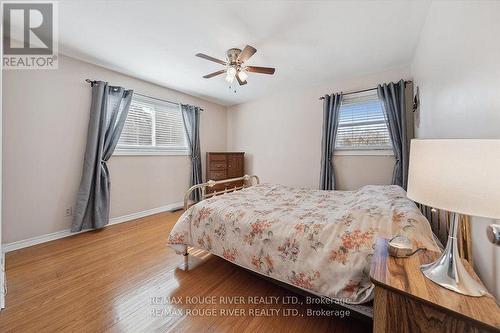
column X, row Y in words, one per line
column 234, row 65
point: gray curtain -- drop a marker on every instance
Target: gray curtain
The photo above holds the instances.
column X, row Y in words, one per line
column 331, row 110
column 392, row 96
column 108, row 111
column 191, row 117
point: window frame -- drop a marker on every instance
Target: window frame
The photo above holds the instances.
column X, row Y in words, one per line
column 363, row 150
column 136, row 150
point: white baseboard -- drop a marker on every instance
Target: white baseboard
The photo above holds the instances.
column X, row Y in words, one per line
column 65, row 233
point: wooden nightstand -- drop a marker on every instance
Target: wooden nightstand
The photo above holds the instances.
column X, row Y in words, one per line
column 405, row 301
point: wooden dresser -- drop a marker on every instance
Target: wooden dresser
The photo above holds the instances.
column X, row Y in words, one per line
column 406, row 301
column 223, row 166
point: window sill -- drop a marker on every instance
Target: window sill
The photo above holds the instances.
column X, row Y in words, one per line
column 364, row 152
column 149, row 153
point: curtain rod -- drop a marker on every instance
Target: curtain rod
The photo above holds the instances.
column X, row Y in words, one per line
column 360, row 91
column 92, row 82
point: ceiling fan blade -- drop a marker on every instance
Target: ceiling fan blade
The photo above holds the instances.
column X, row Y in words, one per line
column 247, row 52
column 260, row 70
column 208, row 76
column 239, row 80
column 204, row 56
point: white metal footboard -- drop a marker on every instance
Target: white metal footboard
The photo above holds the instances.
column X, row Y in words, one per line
column 247, row 182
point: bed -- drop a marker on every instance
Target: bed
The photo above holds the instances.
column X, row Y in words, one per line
column 318, row 241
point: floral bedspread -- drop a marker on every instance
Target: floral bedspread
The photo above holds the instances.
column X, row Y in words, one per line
column 320, row 241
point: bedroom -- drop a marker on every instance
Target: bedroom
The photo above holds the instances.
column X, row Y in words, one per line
column 330, row 67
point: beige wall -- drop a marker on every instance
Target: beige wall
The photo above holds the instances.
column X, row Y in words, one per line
column 45, row 118
column 457, row 67
column 281, row 135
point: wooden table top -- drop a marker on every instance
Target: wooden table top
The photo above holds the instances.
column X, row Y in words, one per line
column 403, row 275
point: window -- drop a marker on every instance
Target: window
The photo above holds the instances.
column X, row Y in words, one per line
column 152, row 127
column 362, row 124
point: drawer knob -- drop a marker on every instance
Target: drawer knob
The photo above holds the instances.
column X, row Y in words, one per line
column 493, row 233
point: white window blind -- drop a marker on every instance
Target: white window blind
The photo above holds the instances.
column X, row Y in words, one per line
column 153, row 126
column 362, row 124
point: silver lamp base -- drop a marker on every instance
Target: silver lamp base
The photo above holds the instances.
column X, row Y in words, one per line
column 448, row 271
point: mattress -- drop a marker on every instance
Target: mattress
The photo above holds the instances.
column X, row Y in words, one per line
column 319, row 241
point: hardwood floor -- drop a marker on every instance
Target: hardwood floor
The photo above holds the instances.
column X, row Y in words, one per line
column 111, row 280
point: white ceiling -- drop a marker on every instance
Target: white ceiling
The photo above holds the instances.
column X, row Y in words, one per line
column 309, row 42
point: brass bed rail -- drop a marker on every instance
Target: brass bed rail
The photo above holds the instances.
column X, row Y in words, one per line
column 247, row 182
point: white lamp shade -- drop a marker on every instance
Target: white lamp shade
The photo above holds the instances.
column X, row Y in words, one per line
column 461, row 176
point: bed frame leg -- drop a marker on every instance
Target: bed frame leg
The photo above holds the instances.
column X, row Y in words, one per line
column 186, row 259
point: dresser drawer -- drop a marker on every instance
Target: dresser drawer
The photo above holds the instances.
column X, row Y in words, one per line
column 218, row 165
column 216, row 157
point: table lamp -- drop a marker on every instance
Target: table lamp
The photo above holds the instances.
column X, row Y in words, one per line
column 461, row 176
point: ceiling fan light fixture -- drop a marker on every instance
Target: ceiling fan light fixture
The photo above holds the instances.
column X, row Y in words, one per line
column 231, row 74
column 242, row 75
column 231, row 71
column 230, row 78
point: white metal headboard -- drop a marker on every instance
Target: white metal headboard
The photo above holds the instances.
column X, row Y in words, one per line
column 247, row 182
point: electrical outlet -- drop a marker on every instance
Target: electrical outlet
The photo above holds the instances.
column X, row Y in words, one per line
column 69, row 211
